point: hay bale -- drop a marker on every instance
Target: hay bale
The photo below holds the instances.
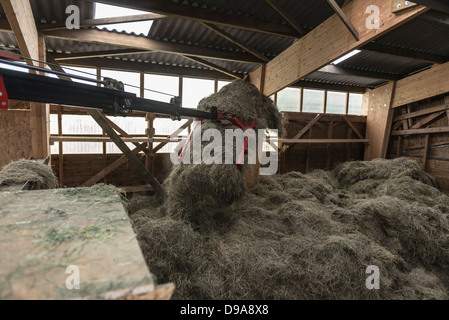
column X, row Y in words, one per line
column 244, row 100
column 201, row 194
column 16, row 174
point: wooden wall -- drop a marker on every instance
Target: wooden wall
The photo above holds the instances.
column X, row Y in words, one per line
column 421, row 131
column 306, row 157
column 15, row 136
column 78, row 168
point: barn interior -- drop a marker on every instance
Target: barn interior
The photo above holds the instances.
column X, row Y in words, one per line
column 97, row 96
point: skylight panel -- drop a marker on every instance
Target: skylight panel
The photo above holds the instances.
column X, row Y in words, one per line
column 108, row 11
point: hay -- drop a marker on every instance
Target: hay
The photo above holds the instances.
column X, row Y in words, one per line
column 203, row 193
column 307, row 236
column 16, row 174
column 244, row 100
column 295, row 236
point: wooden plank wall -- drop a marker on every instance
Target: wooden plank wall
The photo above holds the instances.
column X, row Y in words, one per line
column 420, row 131
column 78, row 168
column 16, row 132
column 307, row 157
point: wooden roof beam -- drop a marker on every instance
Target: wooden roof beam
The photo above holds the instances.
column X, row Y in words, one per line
column 121, row 65
column 236, row 41
column 199, row 14
column 98, row 54
column 213, row 66
column 344, row 18
column 325, row 44
column 104, row 21
column 146, row 44
column 21, row 20
column 287, row 17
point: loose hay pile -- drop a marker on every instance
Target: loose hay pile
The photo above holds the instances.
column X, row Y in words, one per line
column 16, row 174
column 306, row 236
column 296, row 236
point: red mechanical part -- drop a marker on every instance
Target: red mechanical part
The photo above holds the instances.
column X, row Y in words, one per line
column 7, row 55
column 3, row 95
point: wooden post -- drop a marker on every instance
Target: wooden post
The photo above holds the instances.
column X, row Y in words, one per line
column 348, row 145
column 426, row 152
column 61, row 152
column 328, row 146
column 40, row 118
column 379, row 121
column 398, row 150
column 105, row 156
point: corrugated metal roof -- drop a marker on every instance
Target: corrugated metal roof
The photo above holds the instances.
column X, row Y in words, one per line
column 383, row 63
column 423, row 34
column 420, row 34
column 344, row 80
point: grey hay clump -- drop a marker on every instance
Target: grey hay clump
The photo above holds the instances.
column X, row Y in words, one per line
column 19, row 172
column 308, row 236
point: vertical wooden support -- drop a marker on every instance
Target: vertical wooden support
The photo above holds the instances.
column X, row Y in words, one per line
column 40, row 118
column 105, row 156
column 325, row 101
column 446, row 101
column 330, row 132
column 348, row 145
column 308, row 152
column 181, row 89
column 398, row 150
column 61, row 151
column 215, row 85
column 426, row 152
column 301, row 99
column 379, row 121
column 347, row 103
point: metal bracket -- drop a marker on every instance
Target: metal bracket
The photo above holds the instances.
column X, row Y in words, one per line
column 401, row 5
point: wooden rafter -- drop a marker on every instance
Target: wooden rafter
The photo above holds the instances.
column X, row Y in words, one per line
column 189, row 12
column 324, row 44
column 344, row 18
column 146, row 44
column 235, row 41
column 104, row 21
column 144, row 67
column 287, row 17
column 213, row 66
column 21, row 21
column 98, row 54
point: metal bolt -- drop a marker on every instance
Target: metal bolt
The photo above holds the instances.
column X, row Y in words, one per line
column 399, row 5
column 1, row 93
column 3, row 103
column 407, row 3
